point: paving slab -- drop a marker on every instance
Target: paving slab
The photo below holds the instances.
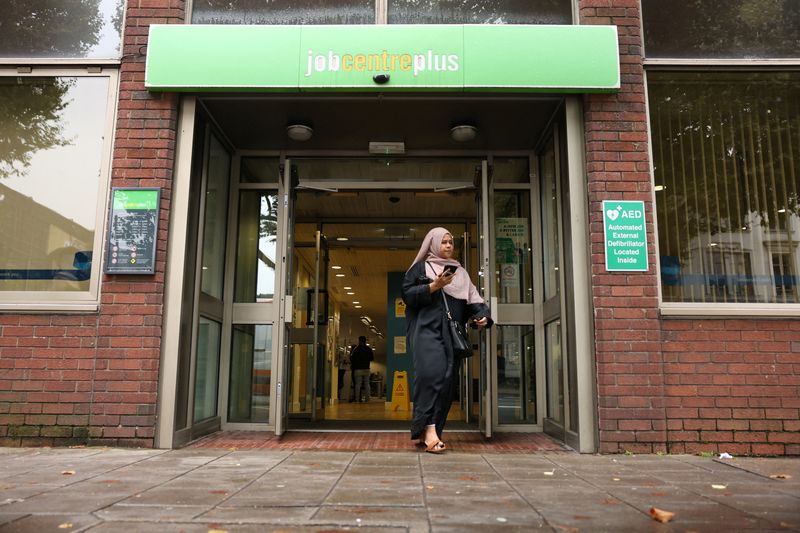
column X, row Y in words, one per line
column 323, row 490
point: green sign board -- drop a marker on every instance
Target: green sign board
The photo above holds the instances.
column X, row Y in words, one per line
column 625, row 236
column 383, row 58
column 132, row 231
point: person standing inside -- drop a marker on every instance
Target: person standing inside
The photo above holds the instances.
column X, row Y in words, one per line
column 433, row 276
column 360, row 358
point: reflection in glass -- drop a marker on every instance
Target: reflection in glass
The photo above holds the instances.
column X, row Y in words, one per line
column 727, row 164
column 260, row 170
column 487, row 12
column 51, row 150
column 550, row 241
column 251, row 373
column 215, row 220
column 516, row 375
column 207, row 369
column 256, row 248
column 721, row 28
column 513, row 268
column 510, row 170
column 54, row 28
column 554, row 363
column 283, row 12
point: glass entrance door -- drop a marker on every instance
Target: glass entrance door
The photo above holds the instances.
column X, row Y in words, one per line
column 485, row 277
column 308, row 376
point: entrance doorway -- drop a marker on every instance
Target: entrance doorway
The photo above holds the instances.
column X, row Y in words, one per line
column 268, row 320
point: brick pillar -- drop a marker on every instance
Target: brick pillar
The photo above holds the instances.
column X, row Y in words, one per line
column 129, row 333
column 628, row 345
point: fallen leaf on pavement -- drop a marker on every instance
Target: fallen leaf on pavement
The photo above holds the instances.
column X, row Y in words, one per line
column 468, row 478
column 660, row 515
column 780, row 476
column 68, row 472
column 550, row 473
column 65, row 525
column 719, row 487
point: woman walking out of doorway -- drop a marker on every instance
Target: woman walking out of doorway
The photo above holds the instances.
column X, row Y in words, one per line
column 433, row 276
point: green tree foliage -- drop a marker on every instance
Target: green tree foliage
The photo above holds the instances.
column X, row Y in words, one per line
column 30, row 118
column 49, row 28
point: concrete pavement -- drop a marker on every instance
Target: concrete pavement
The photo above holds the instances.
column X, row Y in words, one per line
column 203, row 490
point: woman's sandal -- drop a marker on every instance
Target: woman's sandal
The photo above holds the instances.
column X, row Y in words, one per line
column 436, row 447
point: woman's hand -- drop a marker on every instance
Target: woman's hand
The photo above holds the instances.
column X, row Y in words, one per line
column 481, row 322
column 445, row 278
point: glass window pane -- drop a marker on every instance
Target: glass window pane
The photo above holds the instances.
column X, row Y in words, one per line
column 725, row 149
column 54, row 28
column 256, row 249
column 489, row 12
column 216, row 219
column 206, row 369
column 510, row 170
column 513, row 268
column 550, row 242
column 260, row 170
column 51, row 149
column 721, row 28
column 283, row 12
column 516, row 375
column 251, row 373
column 554, row 363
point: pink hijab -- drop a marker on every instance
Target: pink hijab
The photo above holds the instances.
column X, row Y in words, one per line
column 461, row 287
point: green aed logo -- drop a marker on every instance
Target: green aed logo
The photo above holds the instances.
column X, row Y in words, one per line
column 384, row 62
column 625, row 236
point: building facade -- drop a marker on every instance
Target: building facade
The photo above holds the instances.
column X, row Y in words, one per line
column 179, row 182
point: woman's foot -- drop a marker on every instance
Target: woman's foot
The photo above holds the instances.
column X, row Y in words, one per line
column 436, row 447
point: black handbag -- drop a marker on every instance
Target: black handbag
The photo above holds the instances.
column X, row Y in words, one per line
column 458, row 334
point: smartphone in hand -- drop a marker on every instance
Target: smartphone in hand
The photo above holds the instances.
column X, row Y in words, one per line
column 450, row 269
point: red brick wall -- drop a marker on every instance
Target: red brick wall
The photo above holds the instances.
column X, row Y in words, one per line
column 68, row 379
column 664, row 384
column 628, row 339
column 733, row 386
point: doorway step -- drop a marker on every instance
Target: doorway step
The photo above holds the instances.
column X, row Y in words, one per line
column 457, row 441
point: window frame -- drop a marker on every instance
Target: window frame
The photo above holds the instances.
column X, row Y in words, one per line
column 708, row 309
column 85, row 301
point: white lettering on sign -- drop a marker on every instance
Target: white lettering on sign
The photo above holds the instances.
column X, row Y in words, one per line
column 382, row 62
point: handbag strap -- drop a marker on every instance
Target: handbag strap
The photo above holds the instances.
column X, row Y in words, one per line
column 444, row 298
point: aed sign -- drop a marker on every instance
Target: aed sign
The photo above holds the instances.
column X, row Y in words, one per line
column 625, row 236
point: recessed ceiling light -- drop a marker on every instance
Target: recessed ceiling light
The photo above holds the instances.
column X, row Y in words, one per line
column 339, row 275
column 348, row 288
column 350, row 293
column 356, row 303
column 336, row 267
column 342, row 239
column 357, row 306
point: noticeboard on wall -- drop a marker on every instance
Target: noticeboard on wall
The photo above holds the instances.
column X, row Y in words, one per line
column 132, row 231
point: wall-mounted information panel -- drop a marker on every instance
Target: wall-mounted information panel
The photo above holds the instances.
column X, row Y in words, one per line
column 132, row 231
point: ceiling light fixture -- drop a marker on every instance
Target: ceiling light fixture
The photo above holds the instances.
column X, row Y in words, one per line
column 350, row 293
column 336, row 267
column 358, row 306
column 299, row 132
column 463, row 133
column 339, row 275
column 348, row 288
column 342, row 239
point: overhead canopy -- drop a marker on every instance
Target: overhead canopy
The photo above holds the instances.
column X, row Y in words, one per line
column 383, row 58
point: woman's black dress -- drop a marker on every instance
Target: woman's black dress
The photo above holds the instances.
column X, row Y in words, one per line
column 429, row 342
